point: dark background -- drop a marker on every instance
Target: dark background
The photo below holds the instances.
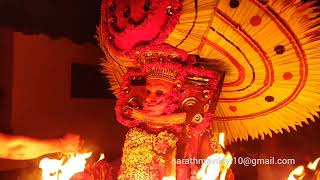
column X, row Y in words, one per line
column 77, row 21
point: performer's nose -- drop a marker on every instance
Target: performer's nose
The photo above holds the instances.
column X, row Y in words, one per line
column 150, row 99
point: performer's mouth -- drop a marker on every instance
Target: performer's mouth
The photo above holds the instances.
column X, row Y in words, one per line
column 154, row 109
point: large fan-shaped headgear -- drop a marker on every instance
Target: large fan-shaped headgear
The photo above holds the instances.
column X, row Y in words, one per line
column 269, row 51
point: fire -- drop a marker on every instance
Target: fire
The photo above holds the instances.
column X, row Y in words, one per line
column 216, row 165
column 299, row 172
column 101, row 157
column 169, row 178
column 221, row 139
column 314, row 164
column 63, row 169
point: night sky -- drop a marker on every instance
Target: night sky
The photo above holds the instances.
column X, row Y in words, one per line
column 74, row 19
column 77, row 20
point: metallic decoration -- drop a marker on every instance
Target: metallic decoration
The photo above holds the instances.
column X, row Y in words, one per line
column 197, row 119
column 188, row 103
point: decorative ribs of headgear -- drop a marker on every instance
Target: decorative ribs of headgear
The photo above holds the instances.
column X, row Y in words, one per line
column 158, row 72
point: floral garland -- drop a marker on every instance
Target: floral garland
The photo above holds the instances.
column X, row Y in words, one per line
column 144, row 154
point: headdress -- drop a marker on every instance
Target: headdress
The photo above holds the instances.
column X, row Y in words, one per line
column 158, row 72
column 269, row 51
column 193, row 97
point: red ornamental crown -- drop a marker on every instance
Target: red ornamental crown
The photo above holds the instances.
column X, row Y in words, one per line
column 163, row 74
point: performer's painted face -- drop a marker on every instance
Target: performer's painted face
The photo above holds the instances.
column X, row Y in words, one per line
column 157, row 96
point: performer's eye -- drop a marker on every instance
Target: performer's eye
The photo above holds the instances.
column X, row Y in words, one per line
column 126, row 12
column 159, row 93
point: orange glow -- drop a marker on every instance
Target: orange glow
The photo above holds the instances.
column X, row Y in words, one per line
column 313, row 165
column 221, row 139
column 299, row 172
column 65, row 168
column 101, row 157
column 216, row 165
column 169, row 178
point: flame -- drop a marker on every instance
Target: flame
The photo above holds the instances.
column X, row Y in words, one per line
column 216, row 165
column 101, row 157
column 65, row 168
column 169, row 178
column 313, row 165
column 221, row 139
column 227, row 163
column 297, row 173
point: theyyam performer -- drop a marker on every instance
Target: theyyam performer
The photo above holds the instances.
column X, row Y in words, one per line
column 184, row 71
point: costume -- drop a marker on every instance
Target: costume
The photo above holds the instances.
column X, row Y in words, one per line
column 245, row 68
column 189, row 97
